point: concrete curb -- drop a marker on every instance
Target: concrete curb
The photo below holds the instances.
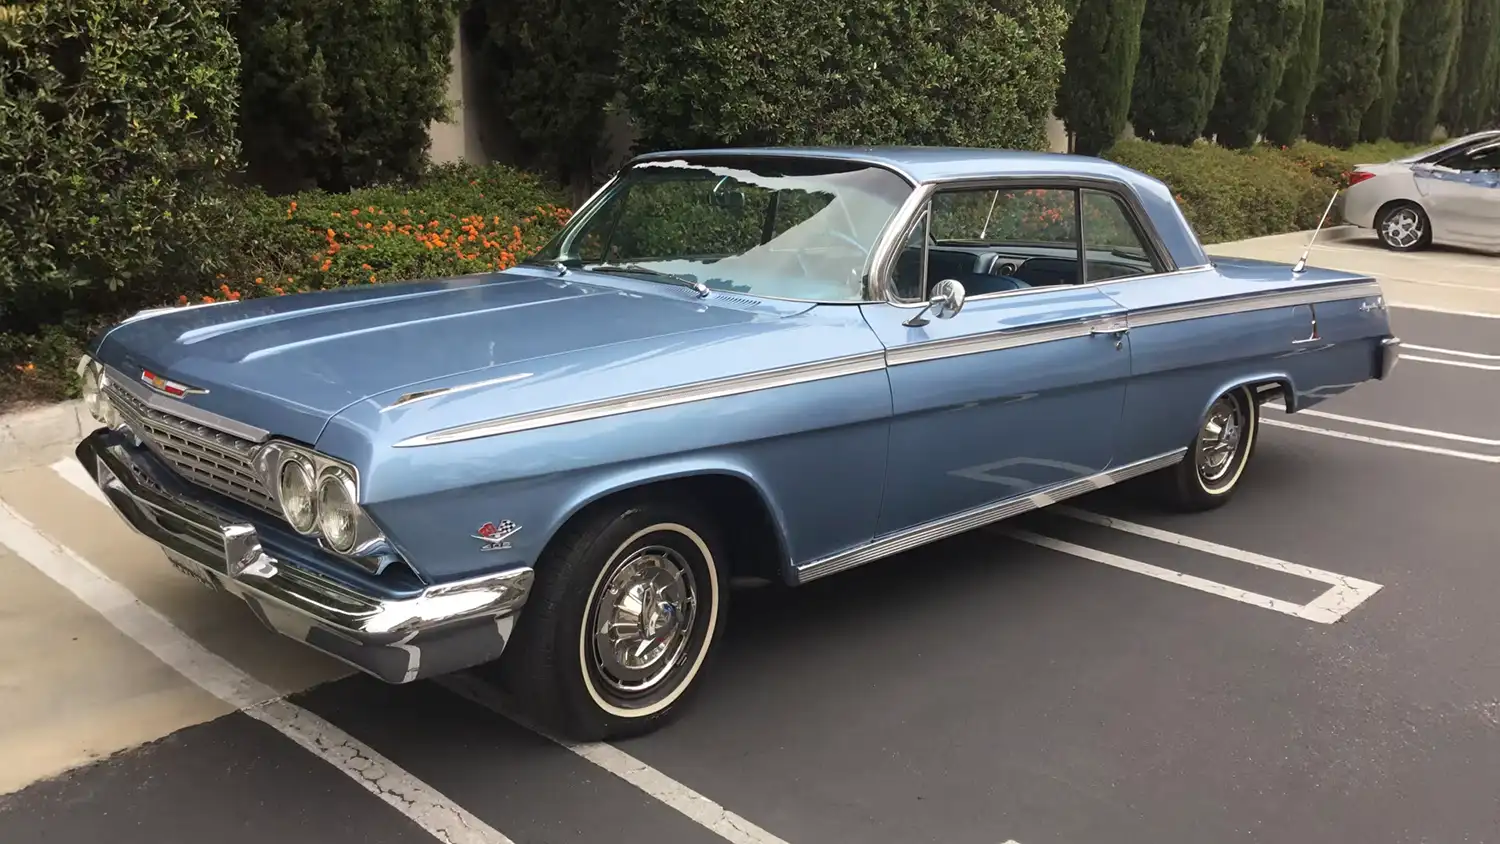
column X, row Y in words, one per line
column 41, row 435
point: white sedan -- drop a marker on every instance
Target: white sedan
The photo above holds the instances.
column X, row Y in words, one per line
column 1448, row 195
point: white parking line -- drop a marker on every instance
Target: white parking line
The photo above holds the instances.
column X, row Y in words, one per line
column 697, row 808
column 1388, row 426
column 437, row 815
column 72, row 471
column 1449, row 311
column 1360, row 438
column 1377, row 252
column 1343, row 595
column 1461, row 363
column 1450, row 352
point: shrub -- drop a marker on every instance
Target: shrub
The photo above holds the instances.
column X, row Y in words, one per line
column 1284, row 123
column 116, row 132
column 1182, row 52
column 1429, row 34
column 964, row 72
column 1229, row 195
column 1377, row 120
column 1349, row 69
column 549, row 69
column 1262, row 38
column 340, row 95
column 1101, row 51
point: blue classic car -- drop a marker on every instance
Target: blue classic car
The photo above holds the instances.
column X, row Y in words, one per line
column 780, row 363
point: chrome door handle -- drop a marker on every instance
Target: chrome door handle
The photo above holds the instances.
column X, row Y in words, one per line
column 1111, row 329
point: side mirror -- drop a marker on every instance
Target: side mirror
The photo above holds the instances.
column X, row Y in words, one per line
column 946, row 301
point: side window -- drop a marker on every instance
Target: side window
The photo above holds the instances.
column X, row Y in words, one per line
column 1113, row 246
column 1481, row 159
column 907, row 274
column 999, row 240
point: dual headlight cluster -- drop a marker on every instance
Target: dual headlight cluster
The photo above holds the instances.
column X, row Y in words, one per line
column 92, row 380
column 319, row 497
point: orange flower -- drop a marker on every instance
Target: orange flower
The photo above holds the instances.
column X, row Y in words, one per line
column 366, row 266
column 182, row 300
column 278, row 291
column 259, row 280
column 354, row 212
column 235, row 296
column 372, row 278
column 336, row 214
column 207, row 299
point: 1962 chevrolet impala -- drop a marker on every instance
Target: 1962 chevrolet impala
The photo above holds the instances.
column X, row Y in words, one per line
column 773, row 362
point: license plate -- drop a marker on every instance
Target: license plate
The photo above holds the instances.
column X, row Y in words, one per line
column 192, row 571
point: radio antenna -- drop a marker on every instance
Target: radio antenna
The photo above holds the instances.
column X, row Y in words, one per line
column 1302, row 262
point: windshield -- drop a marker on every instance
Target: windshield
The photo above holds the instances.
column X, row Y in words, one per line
column 779, row 227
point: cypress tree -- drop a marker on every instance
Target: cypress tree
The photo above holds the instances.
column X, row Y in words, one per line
column 1475, row 68
column 1285, row 121
column 1429, row 37
column 1263, row 37
column 1100, row 51
column 1349, row 72
column 1378, row 117
column 1182, row 52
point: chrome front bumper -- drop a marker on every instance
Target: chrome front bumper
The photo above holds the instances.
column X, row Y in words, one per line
column 1390, row 352
column 432, row 631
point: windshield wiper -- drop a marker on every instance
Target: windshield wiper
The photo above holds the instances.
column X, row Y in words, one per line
column 697, row 286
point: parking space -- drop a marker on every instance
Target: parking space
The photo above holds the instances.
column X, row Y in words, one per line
column 1314, row 662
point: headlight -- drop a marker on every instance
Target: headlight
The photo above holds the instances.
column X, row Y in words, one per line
column 92, row 378
column 338, row 513
column 295, row 491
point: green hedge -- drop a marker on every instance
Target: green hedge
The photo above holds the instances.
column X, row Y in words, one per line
column 117, row 126
column 964, row 72
column 456, row 220
column 340, row 94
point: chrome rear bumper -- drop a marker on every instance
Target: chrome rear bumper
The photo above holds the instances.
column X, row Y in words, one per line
column 1390, row 352
column 434, row 631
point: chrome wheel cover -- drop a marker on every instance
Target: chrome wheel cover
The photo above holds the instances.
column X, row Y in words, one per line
column 642, row 621
column 1219, row 441
column 1402, row 228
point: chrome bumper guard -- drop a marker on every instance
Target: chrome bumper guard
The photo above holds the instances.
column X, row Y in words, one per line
column 442, row 629
column 1390, row 352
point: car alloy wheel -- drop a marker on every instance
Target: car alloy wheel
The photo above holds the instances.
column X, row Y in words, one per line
column 1403, row 228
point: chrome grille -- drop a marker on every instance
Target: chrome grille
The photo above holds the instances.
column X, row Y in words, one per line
column 209, row 458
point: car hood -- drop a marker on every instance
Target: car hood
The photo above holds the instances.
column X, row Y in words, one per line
column 289, row 364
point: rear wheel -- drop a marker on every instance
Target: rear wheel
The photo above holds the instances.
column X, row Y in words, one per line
column 1215, row 462
column 627, row 606
column 1404, row 227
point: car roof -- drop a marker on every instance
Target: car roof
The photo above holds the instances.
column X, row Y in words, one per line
column 930, row 164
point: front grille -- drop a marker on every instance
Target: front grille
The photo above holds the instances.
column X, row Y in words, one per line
column 209, row 458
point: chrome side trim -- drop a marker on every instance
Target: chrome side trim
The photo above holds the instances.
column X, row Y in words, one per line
column 994, row 341
column 1255, row 302
column 895, row 543
column 176, row 407
column 653, row 399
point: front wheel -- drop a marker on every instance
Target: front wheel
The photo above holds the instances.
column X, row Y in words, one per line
column 627, row 605
column 1215, row 462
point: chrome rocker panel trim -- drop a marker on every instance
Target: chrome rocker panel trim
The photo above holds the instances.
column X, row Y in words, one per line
column 968, row 520
column 444, row 628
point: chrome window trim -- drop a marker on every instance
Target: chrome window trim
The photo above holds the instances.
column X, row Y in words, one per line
column 1336, row 292
column 734, row 385
column 884, row 288
column 905, row 540
column 181, row 409
column 985, row 297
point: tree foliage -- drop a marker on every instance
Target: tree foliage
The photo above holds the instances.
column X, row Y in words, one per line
column 964, row 72
column 1263, row 37
column 1284, row 123
column 1476, row 68
column 338, row 95
column 1101, row 51
column 1429, row 39
column 1377, row 119
column 1348, row 70
column 117, row 123
column 549, row 73
column 1177, row 76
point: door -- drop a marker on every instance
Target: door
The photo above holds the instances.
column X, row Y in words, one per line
column 1462, row 195
column 1023, row 388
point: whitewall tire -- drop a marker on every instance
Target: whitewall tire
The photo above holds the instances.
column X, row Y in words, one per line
column 1216, row 459
column 628, row 604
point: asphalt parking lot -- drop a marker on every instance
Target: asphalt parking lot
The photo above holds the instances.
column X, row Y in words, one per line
column 1319, row 661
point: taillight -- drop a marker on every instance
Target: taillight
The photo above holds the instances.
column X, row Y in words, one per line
column 1359, row 176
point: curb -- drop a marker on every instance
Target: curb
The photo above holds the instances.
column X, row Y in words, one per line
column 42, row 435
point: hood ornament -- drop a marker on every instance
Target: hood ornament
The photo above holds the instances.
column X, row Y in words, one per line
column 168, row 387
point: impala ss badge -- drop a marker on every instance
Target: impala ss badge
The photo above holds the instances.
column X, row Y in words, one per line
column 168, row 387
column 496, row 537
